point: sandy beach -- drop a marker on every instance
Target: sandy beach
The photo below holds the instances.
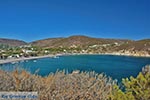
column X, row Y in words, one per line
column 23, row 58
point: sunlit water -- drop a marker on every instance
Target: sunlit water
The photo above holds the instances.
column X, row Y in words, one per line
column 116, row 67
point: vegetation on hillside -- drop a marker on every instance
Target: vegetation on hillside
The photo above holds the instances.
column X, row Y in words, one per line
column 97, row 45
column 77, row 86
column 73, row 44
column 78, row 41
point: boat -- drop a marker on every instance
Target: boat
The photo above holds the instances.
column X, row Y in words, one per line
column 34, row 61
column 56, row 57
column 14, row 62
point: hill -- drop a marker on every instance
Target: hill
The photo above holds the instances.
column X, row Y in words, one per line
column 11, row 42
column 84, row 44
column 137, row 45
column 79, row 41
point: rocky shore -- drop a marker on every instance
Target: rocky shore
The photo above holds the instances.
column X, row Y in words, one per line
column 129, row 54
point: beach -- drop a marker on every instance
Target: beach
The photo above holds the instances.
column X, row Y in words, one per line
column 45, row 56
column 24, row 58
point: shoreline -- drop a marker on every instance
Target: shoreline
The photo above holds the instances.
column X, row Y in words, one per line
column 129, row 55
column 113, row 54
column 46, row 56
column 24, row 58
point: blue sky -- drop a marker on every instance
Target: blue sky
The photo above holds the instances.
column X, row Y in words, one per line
column 37, row 19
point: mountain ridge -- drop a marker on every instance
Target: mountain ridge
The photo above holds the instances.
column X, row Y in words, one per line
column 78, row 40
column 11, row 42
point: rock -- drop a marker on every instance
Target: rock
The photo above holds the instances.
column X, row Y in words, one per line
column 146, row 69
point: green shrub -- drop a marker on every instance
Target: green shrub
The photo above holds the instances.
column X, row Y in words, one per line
column 135, row 88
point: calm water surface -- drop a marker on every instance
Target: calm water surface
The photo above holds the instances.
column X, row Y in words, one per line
column 115, row 66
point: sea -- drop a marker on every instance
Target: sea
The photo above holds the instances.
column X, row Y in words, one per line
column 116, row 67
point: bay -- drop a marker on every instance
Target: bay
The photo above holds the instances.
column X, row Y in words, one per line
column 117, row 67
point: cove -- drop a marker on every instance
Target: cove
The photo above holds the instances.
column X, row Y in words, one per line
column 117, row 67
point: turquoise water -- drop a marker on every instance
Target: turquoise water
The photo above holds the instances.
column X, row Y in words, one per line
column 115, row 66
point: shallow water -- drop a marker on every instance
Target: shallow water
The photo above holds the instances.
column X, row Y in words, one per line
column 116, row 67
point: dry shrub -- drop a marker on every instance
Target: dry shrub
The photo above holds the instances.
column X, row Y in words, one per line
column 59, row 86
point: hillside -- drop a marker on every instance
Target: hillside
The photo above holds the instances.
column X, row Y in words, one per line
column 50, row 42
column 11, row 42
column 84, row 44
column 137, row 45
column 80, row 41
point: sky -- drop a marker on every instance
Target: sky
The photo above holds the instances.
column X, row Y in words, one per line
column 31, row 20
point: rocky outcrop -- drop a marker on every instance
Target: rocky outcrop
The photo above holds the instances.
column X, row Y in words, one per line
column 146, row 69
